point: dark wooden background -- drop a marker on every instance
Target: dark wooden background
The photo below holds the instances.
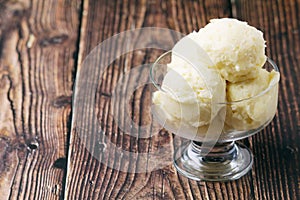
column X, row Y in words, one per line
column 42, row 46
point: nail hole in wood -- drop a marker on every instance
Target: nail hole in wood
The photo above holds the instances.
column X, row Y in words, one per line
column 62, row 101
column 60, row 163
column 59, row 39
column 32, row 144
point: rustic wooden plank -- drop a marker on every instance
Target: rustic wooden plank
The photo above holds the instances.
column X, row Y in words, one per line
column 276, row 164
column 89, row 177
column 38, row 40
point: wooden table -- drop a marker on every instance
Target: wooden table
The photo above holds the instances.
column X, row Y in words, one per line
column 43, row 45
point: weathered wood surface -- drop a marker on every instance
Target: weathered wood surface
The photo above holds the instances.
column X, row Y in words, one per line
column 43, row 45
column 38, row 41
column 268, row 179
column 276, row 149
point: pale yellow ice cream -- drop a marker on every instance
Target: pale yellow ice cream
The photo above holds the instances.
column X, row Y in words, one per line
column 187, row 98
column 250, row 108
column 237, row 52
column 237, row 49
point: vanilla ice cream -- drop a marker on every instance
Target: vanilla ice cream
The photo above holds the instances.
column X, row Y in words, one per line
column 237, row 49
column 255, row 108
column 187, row 97
column 235, row 55
column 189, row 88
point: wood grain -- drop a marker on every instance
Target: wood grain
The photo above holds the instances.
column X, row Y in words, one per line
column 49, row 150
column 276, row 165
column 88, row 175
column 272, row 177
column 38, row 40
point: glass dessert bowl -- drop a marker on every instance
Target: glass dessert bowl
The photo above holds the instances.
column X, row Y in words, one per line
column 214, row 156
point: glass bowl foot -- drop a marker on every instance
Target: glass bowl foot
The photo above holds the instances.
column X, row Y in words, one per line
column 226, row 161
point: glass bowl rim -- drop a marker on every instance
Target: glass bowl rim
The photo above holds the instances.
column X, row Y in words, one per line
column 269, row 60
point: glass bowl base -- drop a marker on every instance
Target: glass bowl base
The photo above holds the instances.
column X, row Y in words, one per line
column 225, row 162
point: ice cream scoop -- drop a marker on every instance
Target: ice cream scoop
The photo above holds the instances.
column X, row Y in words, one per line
column 236, row 48
column 190, row 90
column 255, row 107
column 185, row 96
